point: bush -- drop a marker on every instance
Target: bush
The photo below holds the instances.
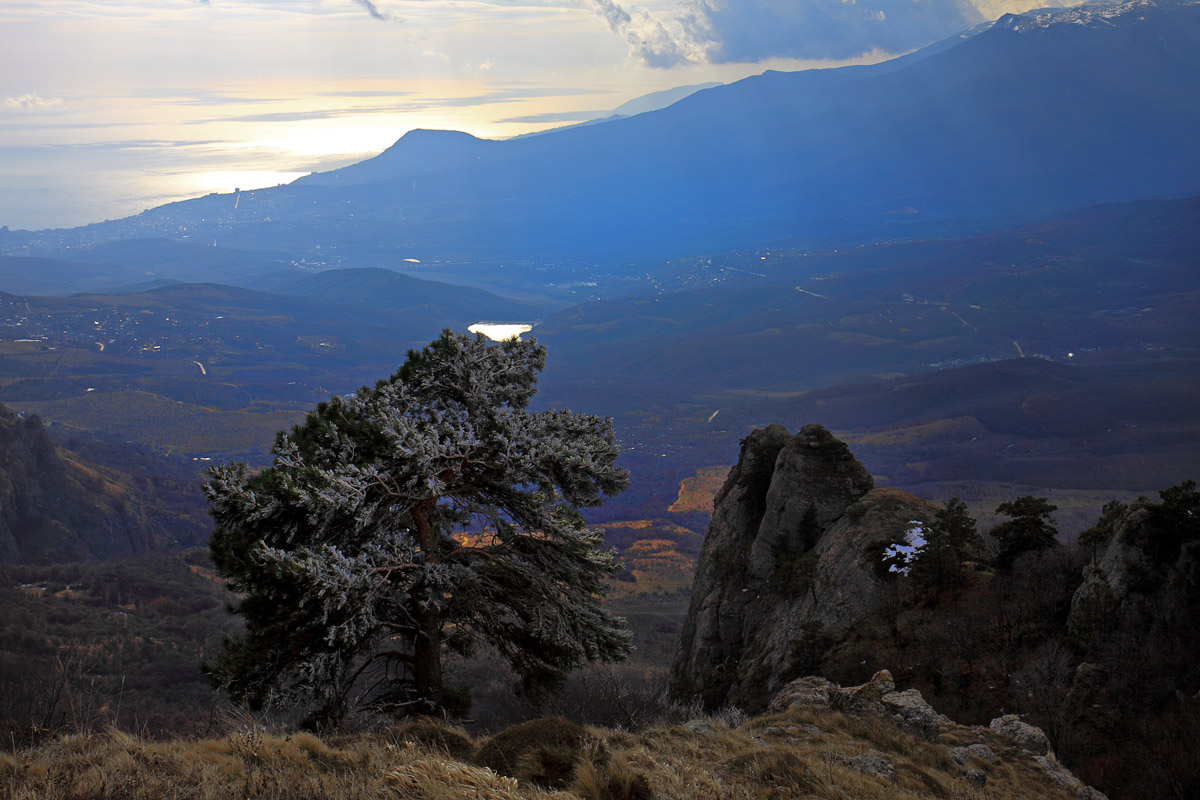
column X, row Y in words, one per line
column 542, row 751
column 432, row 734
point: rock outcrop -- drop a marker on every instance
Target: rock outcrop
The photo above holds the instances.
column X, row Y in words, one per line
column 967, row 748
column 877, row 697
column 785, row 559
column 57, row 509
column 1150, row 562
column 1028, row 737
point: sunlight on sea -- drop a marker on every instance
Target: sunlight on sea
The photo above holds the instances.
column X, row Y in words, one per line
column 498, row 333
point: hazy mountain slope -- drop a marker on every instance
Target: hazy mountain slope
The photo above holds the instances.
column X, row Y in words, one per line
column 189, row 261
column 385, row 289
column 212, row 371
column 56, row 507
column 1037, row 113
column 656, row 100
column 1026, row 421
column 52, row 276
column 1095, row 283
column 418, row 152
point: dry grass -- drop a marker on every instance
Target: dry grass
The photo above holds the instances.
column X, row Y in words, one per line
column 432, row 734
column 542, row 751
column 697, row 493
column 780, row 756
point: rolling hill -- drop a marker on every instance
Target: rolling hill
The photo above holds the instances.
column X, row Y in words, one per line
column 378, row 288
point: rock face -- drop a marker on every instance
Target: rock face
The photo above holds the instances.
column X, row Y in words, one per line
column 784, row 560
column 53, row 509
column 1151, row 561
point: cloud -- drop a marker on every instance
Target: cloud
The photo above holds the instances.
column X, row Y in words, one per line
column 363, row 93
column 656, row 41
column 135, row 144
column 403, row 106
column 749, row 31
column 191, row 96
column 30, row 102
column 373, row 10
column 754, row 30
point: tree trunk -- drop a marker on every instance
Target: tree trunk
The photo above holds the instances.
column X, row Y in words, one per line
column 427, row 660
column 427, row 655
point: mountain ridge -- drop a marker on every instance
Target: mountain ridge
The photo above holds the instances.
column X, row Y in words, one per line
column 56, row 506
column 1016, row 119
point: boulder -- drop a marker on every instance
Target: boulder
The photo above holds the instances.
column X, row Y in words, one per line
column 960, row 755
column 915, row 714
column 1065, row 778
column 700, row 726
column 873, row 764
column 1029, row 738
column 975, row 777
column 877, row 696
column 810, row 692
column 868, row 698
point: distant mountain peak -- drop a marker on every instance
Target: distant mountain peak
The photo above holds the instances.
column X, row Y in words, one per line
column 1091, row 14
column 434, row 134
column 420, row 151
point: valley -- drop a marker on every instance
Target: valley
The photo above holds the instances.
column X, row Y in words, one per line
column 977, row 266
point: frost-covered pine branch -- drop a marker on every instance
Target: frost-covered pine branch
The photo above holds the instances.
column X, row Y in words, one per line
column 344, row 550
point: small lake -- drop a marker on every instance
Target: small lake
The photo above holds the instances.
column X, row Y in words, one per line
column 499, row 332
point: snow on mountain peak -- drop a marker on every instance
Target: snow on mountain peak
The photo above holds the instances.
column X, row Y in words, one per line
column 1090, row 14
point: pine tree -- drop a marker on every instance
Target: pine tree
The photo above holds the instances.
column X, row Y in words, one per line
column 1110, row 518
column 344, row 553
column 1028, row 530
column 950, row 540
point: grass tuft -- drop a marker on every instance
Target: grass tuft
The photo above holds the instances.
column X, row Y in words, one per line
column 542, row 751
column 432, row 734
column 609, row 779
column 773, row 769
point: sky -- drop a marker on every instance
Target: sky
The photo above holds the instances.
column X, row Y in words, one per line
column 109, row 107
